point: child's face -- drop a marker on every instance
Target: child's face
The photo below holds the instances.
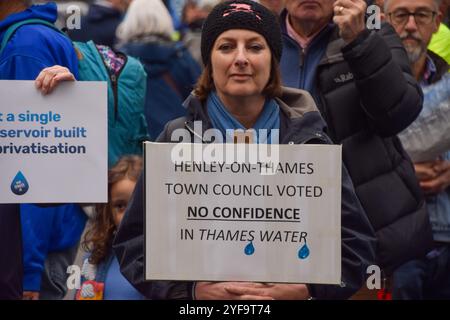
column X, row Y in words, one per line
column 120, row 195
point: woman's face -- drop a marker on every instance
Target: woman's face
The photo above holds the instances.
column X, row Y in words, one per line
column 120, row 195
column 241, row 62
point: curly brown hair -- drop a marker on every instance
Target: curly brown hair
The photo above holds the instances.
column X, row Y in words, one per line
column 98, row 239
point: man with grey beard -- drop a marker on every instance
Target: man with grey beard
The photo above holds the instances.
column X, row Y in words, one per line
column 428, row 278
column 415, row 32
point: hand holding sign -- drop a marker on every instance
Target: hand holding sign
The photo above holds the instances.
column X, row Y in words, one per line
column 275, row 291
column 50, row 77
column 231, row 291
column 349, row 15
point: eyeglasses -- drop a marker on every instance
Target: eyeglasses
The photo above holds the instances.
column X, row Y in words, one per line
column 422, row 17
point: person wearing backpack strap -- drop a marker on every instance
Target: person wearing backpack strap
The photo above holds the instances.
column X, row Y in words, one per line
column 126, row 78
column 29, row 50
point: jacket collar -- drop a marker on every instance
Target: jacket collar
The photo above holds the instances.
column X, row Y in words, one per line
column 333, row 52
column 440, row 64
column 323, row 33
column 303, row 119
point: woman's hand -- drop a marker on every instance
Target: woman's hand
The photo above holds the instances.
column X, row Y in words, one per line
column 228, row 291
column 50, row 77
column 250, row 291
column 273, row 291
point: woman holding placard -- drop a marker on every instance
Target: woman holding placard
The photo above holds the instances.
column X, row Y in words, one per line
column 240, row 89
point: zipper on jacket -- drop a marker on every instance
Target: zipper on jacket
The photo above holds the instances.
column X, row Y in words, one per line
column 115, row 85
column 194, row 133
column 317, row 136
column 302, row 67
column 302, row 57
column 115, row 89
column 114, row 81
column 314, row 136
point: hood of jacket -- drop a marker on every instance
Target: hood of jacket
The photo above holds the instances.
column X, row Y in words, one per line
column 295, row 103
column 46, row 12
column 34, row 47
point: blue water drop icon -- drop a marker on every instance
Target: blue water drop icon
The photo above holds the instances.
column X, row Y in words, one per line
column 19, row 185
column 303, row 253
column 249, row 249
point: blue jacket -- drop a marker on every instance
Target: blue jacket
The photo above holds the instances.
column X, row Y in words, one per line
column 31, row 49
column 439, row 209
column 439, row 205
column 171, row 75
column 303, row 77
column 107, row 272
column 417, row 141
column 34, row 47
column 46, row 230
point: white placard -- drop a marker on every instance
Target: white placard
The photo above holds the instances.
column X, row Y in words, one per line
column 231, row 221
column 53, row 148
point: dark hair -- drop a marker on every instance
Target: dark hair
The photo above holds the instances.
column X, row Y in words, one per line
column 98, row 239
column 205, row 83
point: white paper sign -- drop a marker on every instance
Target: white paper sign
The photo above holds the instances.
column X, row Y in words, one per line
column 231, row 221
column 53, row 148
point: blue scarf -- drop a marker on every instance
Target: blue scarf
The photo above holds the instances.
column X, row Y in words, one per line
column 222, row 120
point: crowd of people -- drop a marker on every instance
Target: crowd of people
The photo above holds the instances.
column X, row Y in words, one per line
column 312, row 71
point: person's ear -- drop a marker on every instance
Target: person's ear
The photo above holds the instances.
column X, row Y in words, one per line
column 437, row 22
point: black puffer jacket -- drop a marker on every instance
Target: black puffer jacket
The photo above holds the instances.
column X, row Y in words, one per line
column 367, row 95
column 300, row 123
